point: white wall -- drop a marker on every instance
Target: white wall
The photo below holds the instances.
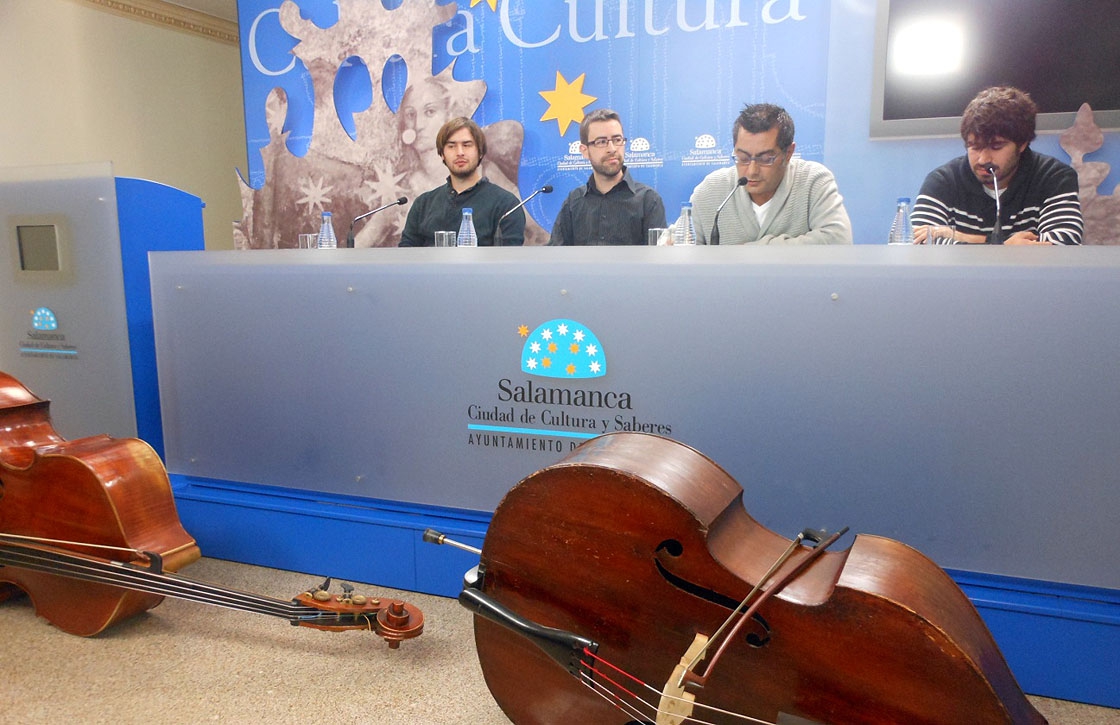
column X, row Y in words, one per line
column 81, row 84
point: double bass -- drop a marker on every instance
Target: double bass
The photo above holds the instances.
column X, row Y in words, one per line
column 90, row 532
column 628, row 584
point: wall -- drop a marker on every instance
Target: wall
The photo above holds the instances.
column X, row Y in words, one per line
column 81, row 84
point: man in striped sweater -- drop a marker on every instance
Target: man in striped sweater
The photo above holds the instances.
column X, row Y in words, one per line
column 784, row 199
column 1037, row 194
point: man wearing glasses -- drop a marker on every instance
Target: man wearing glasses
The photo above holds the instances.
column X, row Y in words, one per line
column 783, row 199
column 611, row 208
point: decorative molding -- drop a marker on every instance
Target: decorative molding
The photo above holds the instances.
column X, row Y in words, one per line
column 158, row 12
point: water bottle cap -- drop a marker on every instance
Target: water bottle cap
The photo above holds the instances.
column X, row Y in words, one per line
column 326, row 213
column 686, row 205
column 903, row 199
column 468, row 210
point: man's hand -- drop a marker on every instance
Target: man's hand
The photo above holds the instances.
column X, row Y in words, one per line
column 1025, row 238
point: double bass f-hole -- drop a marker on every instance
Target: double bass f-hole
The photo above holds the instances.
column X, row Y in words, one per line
column 766, row 587
column 671, row 549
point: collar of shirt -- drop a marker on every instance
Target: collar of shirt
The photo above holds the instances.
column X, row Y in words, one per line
column 590, row 187
column 454, row 193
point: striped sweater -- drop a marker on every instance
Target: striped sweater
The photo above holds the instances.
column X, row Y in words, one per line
column 1042, row 198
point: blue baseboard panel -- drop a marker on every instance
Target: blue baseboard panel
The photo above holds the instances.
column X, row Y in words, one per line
column 348, row 538
column 1060, row 640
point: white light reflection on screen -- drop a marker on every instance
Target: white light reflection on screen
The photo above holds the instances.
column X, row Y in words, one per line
column 929, row 46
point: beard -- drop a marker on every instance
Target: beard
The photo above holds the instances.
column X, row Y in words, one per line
column 607, row 167
column 464, row 172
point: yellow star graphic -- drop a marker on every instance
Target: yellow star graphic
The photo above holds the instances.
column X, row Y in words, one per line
column 571, row 369
column 492, row 3
column 566, row 102
column 523, row 330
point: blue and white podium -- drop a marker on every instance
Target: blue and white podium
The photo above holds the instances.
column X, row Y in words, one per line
column 75, row 299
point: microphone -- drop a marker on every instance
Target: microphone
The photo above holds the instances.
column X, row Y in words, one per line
column 350, row 234
column 715, row 222
column 997, row 232
column 546, row 189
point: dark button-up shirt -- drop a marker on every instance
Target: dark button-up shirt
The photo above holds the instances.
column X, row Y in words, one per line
column 621, row 216
column 441, row 210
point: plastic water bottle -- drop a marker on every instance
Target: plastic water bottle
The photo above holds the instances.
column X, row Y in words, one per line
column 327, row 239
column 467, row 235
column 684, row 233
column 901, row 231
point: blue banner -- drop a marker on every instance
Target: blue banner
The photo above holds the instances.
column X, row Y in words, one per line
column 343, row 98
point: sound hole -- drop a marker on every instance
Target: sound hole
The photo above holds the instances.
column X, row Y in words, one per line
column 672, row 549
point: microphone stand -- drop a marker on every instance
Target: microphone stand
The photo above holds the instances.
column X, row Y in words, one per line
column 350, row 234
column 997, row 232
column 715, row 222
column 546, row 189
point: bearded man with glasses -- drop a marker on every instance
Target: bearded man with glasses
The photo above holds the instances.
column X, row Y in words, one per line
column 611, row 208
column 772, row 196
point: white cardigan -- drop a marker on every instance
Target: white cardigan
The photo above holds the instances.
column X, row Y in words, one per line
column 806, row 209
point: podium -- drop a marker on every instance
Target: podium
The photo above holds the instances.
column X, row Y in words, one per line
column 75, row 299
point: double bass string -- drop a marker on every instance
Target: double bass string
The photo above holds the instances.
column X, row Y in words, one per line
column 640, row 707
column 119, row 574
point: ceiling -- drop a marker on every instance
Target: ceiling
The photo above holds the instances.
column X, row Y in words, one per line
column 224, row 9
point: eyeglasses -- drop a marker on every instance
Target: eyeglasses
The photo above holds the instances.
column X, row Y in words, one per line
column 761, row 159
column 602, row 142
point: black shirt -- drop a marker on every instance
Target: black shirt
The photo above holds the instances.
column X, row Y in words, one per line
column 621, row 216
column 441, row 210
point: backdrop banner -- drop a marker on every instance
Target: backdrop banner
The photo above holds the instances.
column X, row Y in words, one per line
column 343, row 98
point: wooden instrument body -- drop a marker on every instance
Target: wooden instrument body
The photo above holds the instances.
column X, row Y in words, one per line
column 97, row 490
column 640, row 543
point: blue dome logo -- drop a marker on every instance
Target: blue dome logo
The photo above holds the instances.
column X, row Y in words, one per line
column 43, row 319
column 562, row 349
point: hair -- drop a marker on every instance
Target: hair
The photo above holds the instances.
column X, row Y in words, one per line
column 599, row 114
column 760, row 118
column 447, row 129
column 1000, row 111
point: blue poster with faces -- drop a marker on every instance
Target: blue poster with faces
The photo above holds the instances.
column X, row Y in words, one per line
column 343, row 98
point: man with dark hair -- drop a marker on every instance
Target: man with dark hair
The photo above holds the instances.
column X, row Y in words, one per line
column 1037, row 199
column 611, row 208
column 462, row 144
column 784, row 198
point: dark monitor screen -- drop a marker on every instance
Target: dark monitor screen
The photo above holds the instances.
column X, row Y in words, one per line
column 933, row 57
column 38, row 248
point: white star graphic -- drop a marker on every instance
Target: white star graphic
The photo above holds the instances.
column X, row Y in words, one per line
column 562, row 329
column 316, row 194
column 546, row 334
column 531, row 363
column 595, row 366
column 578, row 335
column 592, row 350
column 535, row 346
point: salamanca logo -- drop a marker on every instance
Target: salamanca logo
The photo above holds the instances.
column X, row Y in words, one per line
column 530, row 393
column 562, row 349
